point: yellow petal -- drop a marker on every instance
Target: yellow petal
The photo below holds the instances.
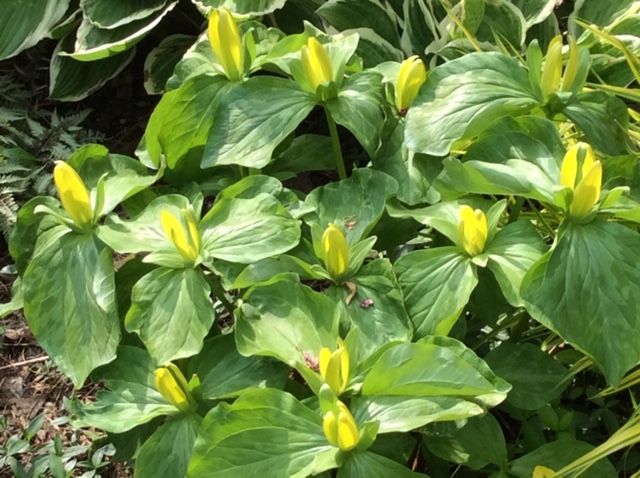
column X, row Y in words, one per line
column 226, row 43
column 589, row 158
column 472, row 230
column 348, row 433
column 572, row 65
column 316, row 63
column 73, row 193
column 552, row 70
column 543, row 472
column 194, row 232
column 330, row 428
column 569, row 168
column 335, row 250
column 587, row 193
column 323, row 360
column 175, row 231
column 344, row 365
column 410, row 78
column 168, row 387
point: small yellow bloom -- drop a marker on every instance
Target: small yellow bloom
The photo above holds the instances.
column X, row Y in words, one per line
column 74, row 195
column 587, row 188
column 472, row 230
column 341, row 430
column 411, row 77
column 185, row 239
column 171, row 384
column 543, row 472
column 334, row 367
column 316, row 63
column 335, row 250
column 226, row 43
column 552, row 70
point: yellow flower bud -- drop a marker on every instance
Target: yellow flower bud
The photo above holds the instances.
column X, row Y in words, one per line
column 472, row 230
column 335, row 250
column 552, row 70
column 74, row 195
column 586, row 188
column 226, row 43
column 341, row 430
column 334, row 367
column 171, row 384
column 316, row 63
column 411, row 77
column 185, row 239
column 543, row 472
column 571, row 69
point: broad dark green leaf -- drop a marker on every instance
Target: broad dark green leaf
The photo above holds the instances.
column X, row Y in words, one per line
column 264, row 433
column 436, row 284
column 171, row 312
column 257, row 115
column 115, row 13
column 130, row 399
column 160, row 62
column 250, row 7
column 436, row 379
column 167, row 452
column 224, row 373
column 24, row 23
column 70, row 303
column 358, row 107
column 586, row 288
column 504, row 22
column 307, row 152
column 373, row 49
column 463, row 97
column 371, row 465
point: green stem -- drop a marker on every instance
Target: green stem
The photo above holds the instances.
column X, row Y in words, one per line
column 335, row 142
column 219, row 292
column 515, row 211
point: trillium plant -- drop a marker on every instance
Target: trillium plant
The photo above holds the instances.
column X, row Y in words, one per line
column 386, row 239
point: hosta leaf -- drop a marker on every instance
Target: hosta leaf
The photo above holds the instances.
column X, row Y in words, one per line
column 69, row 293
column 171, row 312
column 250, row 7
column 115, row 13
column 463, row 97
column 264, row 433
column 160, row 62
column 585, row 289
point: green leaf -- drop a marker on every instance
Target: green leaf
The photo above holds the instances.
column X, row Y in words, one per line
column 124, row 178
column 536, row 377
column 24, row 23
column 377, row 308
column 171, row 312
column 355, row 204
column 182, row 119
column 264, row 433
column 358, row 107
column 371, row 465
column 111, row 14
column 95, row 43
column 249, row 7
column 160, row 62
column 130, row 399
column 436, row 379
column 373, row 49
column 463, row 97
column 307, row 152
column 224, row 373
column 478, row 443
column 585, row 290
column 343, row 15
column 288, row 321
column 504, row 22
column 511, row 254
column 72, row 80
column 535, row 11
column 247, row 230
column 427, row 278
column 69, row 294
column 167, row 452
column 257, row 116
column 603, row 118
column 557, row 454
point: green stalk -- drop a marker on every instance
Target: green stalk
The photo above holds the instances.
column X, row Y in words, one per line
column 335, row 142
column 218, row 291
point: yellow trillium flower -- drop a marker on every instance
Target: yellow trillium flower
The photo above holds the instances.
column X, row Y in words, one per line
column 552, row 69
column 472, row 230
column 316, row 63
column 334, row 367
column 335, row 251
column 543, row 472
column 340, row 428
column 587, row 188
column 411, row 77
column 185, row 239
column 226, row 43
column 571, row 70
column 74, row 195
column 172, row 385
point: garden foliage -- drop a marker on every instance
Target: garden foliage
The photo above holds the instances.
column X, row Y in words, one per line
column 395, row 292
